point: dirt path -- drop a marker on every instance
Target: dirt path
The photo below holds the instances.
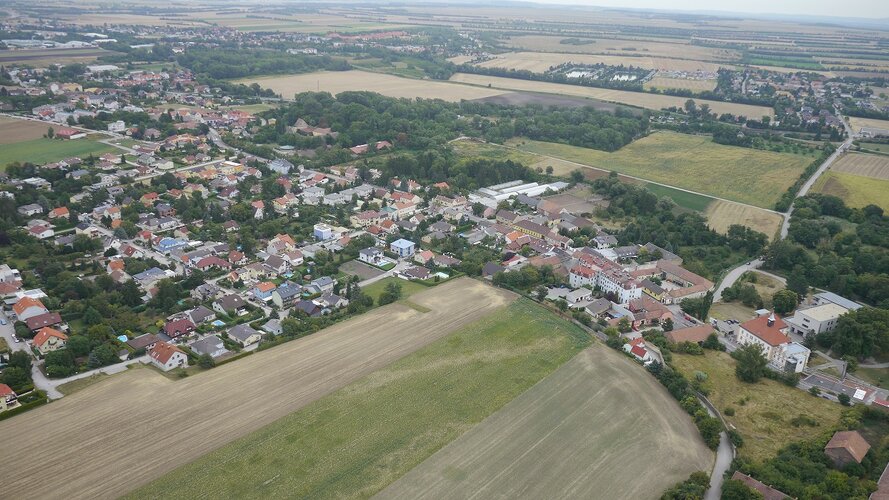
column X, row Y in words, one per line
column 121, row 433
column 598, row 427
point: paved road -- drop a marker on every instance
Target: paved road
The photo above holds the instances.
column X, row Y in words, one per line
column 725, row 453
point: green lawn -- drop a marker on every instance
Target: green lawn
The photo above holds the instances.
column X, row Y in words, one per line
column 683, row 199
column 856, row 190
column 408, row 288
column 40, row 151
column 692, row 162
column 356, row 441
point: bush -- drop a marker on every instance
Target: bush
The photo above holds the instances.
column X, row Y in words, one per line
column 844, row 399
column 729, row 411
column 736, row 438
column 814, row 391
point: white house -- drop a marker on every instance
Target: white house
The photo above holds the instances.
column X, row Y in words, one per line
column 372, row 256
column 166, row 356
column 769, row 332
column 322, row 232
column 402, row 247
column 815, row 320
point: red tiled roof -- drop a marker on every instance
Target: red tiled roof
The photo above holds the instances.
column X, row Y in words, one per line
column 852, row 442
column 5, row 390
column 26, row 302
column 639, row 351
column 45, row 333
column 163, row 351
column 771, row 335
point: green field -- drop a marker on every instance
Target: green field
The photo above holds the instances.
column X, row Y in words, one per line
column 40, row 151
column 692, row 162
column 475, row 149
column 856, row 190
column 356, row 441
column 408, row 288
column 764, row 410
column 875, row 146
column 683, row 199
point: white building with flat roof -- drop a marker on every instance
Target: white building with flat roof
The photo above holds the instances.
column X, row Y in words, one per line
column 815, row 320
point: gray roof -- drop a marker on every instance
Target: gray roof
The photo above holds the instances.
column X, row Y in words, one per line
column 838, row 300
column 241, row 332
column 288, row 290
column 211, row 344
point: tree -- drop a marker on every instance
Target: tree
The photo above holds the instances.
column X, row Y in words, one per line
column 16, row 378
column 541, row 293
column 21, row 359
column 797, row 281
column 785, row 301
column 623, row 325
column 102, row 355
column 750, row 363
column 562, row 304
column 667, row 325
column 844, row 399
column 391, row 293
column 736, row 490
column 692, row 488
column 206, row 362
column 79, row 345
column 50, row 133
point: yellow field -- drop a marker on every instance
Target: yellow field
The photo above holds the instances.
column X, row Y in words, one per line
column 663, row 82
column 874, row 166
column 691, row 162
column 389, row 85
column 639, row 99
column 100, row 19
column 722, row 214
column 856, row 190
column 460, row 59
column 300, row 23
column 649, row 48
column 539, row 62
column 857, row 123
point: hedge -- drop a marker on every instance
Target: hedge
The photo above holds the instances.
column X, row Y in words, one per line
column 25, row 406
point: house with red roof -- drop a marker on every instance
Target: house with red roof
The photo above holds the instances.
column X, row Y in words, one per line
column 166, row 356
column 48, row 340
column 178, row 327
column 8, row 398
column 28, row 307
column 58, row 212
column 638, row 350
column 69, row 133
column 769, row 332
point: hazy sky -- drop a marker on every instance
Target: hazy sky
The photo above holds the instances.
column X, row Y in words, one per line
column 872, row 9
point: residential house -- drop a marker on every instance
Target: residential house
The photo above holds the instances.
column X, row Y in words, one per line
column 178, row 327
column 767, row 492
column 263, row 290
column 166, row 356
column 373, row 256
column 638, row 350
column 48, row 340
column 200, row 315
column 402, row 247
column 28, row 307
column 211, row 345
column 286, row 295
column 321, row 285
column 273, row 326
column 8, row 398
column 50, row 319
column 146, row 342
column 244, row 334
column 696, row 334
column 232, row 305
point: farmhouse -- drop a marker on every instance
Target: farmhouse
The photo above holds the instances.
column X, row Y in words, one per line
column 166, row 356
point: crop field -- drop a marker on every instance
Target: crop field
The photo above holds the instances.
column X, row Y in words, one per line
column 856, row 190
column 638, row 99
column 388, row 85
column 98, row 442
column 14, row 130
column 40, row 151
column 856, row 123
column 558, row 440
column 540, row 62
column 873, row 166
column 683, row 199
column 722, row 214
column 45, row 57
column 764, row 411
column 875, row 146
column 691, row 162
column 648, row 48
column 664, row 82
column 356, row 441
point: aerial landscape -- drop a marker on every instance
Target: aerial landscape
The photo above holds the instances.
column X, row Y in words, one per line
column 403, row 250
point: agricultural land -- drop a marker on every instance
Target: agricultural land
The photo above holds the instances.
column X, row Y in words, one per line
column 638, row 99
column 856, row 190
column 873, row 166
column 358, row 440
column 559, row 440
column 201, row 413
column 540, row 62
column 691, row 162
column 40, row 151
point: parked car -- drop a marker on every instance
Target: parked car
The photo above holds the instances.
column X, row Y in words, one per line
column 2, row 321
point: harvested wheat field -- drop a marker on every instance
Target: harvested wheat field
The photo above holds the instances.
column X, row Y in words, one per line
column 874, row 166
column 540, row 62
column 598, row 427
column 14, row 130
column 639, row 99
column 721, row 214
column 665, row 82
column 124, row 432
column 649, row 48
column 388, row 85
column 858, row 123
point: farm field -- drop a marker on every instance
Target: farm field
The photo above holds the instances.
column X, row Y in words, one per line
column 638, row 99
column 875, row 146
column 664, row 82
column 722, row 214
column 764, row 411
column 683, row 199
column 648, row 48
column 691, row 162
column 873, row 166
column 540, row 62
column 195, row 415
column 388, row 85
column 856, row 190
column 44, row 57
column 555, row 441
column 14, row 130
column 356, row 441
column 856, row 123
column 40, row 151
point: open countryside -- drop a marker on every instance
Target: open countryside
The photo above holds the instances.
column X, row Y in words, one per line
column 692, row 162
column 873, row 166
column 856, row 190
column 586, row 431
column 203, row 412
column 721, row 214
column 356, row 441
column 539, row 62
column 639, row 99
column 42, row 150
